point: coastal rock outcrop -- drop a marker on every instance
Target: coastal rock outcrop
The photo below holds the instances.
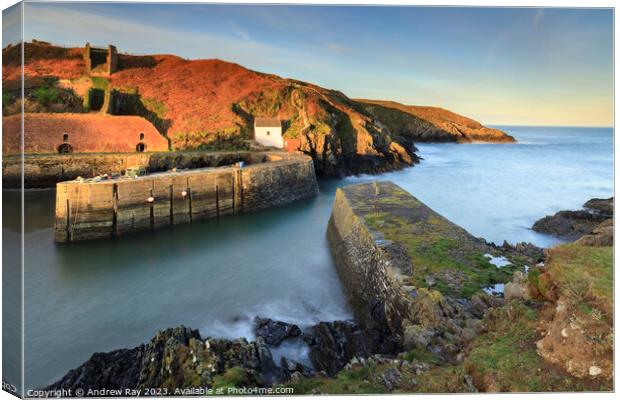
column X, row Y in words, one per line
column 274, row 332
column 601, row 206
column 431, row 124
column 334, row 344
column 174, row 359
column 572, row 225
column 602, row 235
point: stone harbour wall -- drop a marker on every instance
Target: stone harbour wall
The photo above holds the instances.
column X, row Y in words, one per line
column 90, row 210
column 409, row 273
column 45, row 171
column 365, row 267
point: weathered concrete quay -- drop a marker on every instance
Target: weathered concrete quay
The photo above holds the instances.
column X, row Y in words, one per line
column 409, row 273
column 115, row 207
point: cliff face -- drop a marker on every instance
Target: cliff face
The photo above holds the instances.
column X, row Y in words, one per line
column 432, row 124
column 211, row 105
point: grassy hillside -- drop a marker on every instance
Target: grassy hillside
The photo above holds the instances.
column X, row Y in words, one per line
column 203, row 104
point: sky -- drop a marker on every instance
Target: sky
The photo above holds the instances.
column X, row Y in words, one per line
column 500, row 66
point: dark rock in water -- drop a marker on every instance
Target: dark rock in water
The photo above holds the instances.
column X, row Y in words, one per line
column 602, row 206
column 176, row 358
column 334, row 344
column 274, row 332
column 572, row 225
column 568, row 224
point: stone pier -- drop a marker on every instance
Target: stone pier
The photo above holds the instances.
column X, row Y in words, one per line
column 408, row 272
column 115, row 207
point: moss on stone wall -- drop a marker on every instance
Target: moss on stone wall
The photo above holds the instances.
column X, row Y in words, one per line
column 436, row 246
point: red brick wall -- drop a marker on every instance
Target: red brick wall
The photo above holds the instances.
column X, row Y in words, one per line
column 88, row 133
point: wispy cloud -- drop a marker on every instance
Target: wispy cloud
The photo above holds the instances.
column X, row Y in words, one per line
column 538, row 18
column 236, row 45
column 338, row 48
column 493, row 47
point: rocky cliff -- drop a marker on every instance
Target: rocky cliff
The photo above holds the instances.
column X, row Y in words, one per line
column 211, row 104
column 432, row 124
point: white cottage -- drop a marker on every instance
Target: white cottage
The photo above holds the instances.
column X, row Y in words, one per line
column 268, row 132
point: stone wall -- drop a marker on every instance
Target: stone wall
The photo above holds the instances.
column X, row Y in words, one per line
column 365, row 266
column 100, row 61
column 87, row 133
column 408, row 272
column 45, row 171
column 116, row 207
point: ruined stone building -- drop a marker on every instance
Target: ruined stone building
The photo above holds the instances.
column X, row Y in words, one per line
column 100, row 61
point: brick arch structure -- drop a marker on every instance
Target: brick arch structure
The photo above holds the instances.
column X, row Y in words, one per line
column 87, row 133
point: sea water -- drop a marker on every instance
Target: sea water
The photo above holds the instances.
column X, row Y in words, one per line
column 216, row 275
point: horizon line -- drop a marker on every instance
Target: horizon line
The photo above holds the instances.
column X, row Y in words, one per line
column 552, row 126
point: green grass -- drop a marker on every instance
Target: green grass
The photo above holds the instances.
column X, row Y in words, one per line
column 155, row 106
column 358, row 380
column 434, row 245
column 584, row 274
column 46, row 95
column 506, row 355
column 443, row 379
column 421, row 356
column 99, row 83
column 233, row 377
column 6, row 98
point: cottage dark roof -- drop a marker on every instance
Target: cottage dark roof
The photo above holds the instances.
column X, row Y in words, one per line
column 267, row 122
